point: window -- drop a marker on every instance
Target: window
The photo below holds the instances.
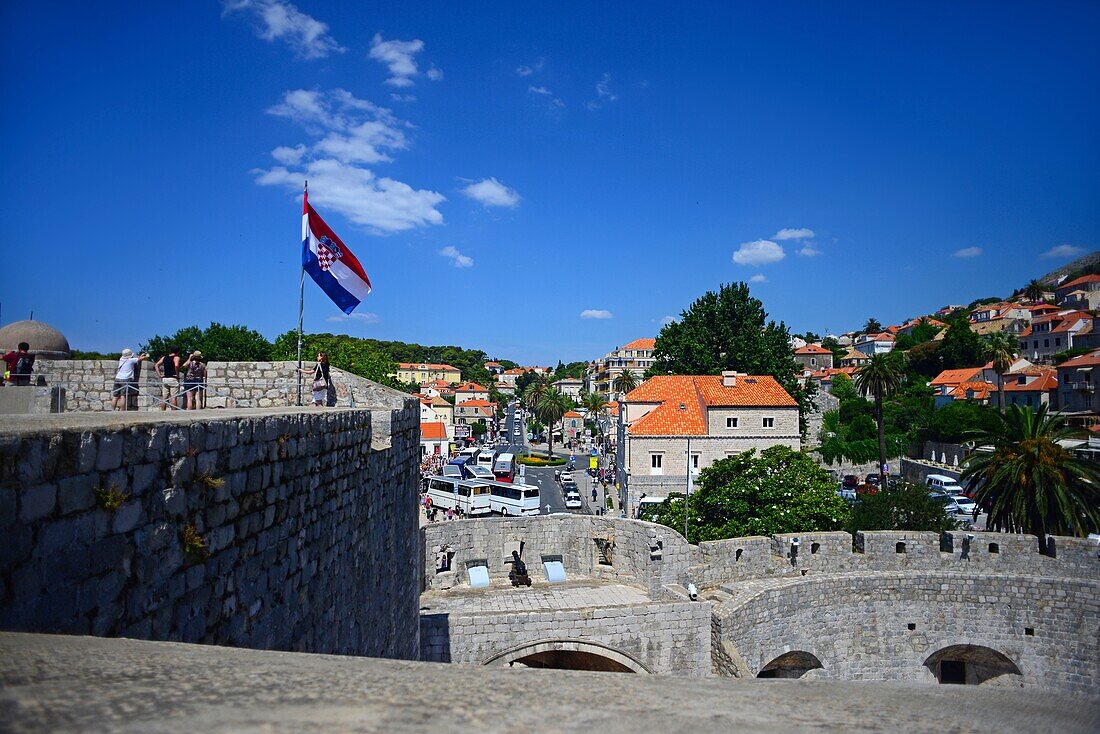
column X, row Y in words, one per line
column 1046, row 343
column 767, row 422
column 731, row 422
column 1058, row 341
column 813, row 360
column 655, row 460
column 695, row 462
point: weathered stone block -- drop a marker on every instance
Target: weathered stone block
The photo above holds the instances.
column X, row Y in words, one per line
column 76, row 494
column 127, row 517
column 37, row 502
column 109, row 455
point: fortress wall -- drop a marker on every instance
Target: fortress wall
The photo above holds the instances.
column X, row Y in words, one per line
column 667, row 637
column 88, row 384
column 307, row 517
column 858, row 626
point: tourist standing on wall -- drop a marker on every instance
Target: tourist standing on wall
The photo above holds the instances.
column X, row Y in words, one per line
column 168, row 367
column 321, row 380
column 24, row 364
column 8, row 373
column 126, row 379
column 194, row 377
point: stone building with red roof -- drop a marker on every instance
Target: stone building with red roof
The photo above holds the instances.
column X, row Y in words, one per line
column 720, row 415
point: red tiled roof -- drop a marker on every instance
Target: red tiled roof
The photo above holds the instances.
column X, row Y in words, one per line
column 434, row 431
column 1080, row 281
column 476, row 403
column 1085, row 360
column 641, row 344
column 694, row 393
column 572, row 414
column 812, row 349
column 1047, row 380
column 956, row 377
column 471, row 387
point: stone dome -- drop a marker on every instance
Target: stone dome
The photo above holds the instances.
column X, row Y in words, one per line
column 44, row 340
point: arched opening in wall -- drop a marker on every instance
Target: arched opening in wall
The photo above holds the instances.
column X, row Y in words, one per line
column 793, row 664
column 569, row 655
column 969, row 664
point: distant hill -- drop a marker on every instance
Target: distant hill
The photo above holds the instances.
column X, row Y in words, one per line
column 1084, row 265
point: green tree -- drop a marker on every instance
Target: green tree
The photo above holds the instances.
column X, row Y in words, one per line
column 843, row 389
column 729, row 330
column 954, row 422
column 595, row 404
column 833, row 346
column 550, row 405
column 779, row 491
column 1034, row 291
column 217, row 342
column 961, row 347
column 881, row 377
column 873, row 326
column 524, row 381
column 1000, row 348
column 904, row 506
column 478, row 429
column 625, row 382
column 924, row 360
column 357, row 356
column 1030, row 482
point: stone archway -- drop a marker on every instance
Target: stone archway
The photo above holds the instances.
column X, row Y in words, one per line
column 969, row 664
column 569, row 655
column 793, row 664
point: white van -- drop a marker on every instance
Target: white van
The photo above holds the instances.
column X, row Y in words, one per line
column 944, row 483
column 647, row 506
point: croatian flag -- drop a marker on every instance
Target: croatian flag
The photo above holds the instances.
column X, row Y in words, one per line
column 330, row 263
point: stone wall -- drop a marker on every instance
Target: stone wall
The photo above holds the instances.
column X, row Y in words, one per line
column 306, row 518
column 891, row 626
column 88, row 384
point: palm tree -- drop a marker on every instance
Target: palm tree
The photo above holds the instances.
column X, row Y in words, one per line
column 1029, row 481
column 594, row 404
column 872, row 326
column 1034, row 291
column 881, row 377
column 625, row 382
column 549, row 409
column 535, row 391
column 1001, row 349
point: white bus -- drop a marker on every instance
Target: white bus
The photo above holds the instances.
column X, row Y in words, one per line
column 470, row 497
column 504, row 469
column 485, row 458
column 514, row 499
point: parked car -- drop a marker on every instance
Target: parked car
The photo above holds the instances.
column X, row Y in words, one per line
column 846, row 494
column 866, row 489
column 573, row 501
column 955, row 504
column 851, row 481
column 872, row 479
column 566, row 477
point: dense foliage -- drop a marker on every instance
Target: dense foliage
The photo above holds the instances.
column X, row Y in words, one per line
column 1031, row 483
column 729, row 330
column 218, row 343
column 779, row 491
column 348, row 353
column 904, row 506
column 850, row 433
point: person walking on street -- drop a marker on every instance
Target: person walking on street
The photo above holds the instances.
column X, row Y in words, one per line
column 168, row 367
column 194, row 377
column 126, row 379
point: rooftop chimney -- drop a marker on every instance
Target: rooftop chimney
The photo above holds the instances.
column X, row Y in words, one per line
column 729, row 379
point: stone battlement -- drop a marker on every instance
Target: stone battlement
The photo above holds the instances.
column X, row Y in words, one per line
column 279, row 528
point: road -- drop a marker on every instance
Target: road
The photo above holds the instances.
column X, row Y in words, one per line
column 543, row 477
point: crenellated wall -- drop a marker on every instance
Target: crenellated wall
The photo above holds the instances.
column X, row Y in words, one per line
column 883, row 605
column 306, row 517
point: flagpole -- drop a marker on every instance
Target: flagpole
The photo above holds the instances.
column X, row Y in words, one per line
column 301, row 302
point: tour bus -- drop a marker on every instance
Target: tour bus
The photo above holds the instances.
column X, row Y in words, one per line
column 468, row 453
column 505, row 468
column 470, row 497
column 514, row 499
column 453, row 468
column 485, row 458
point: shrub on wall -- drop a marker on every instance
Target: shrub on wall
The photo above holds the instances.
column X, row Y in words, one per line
column 904, row 506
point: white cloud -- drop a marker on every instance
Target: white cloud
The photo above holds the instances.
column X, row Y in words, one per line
column 802, row 233
column 553, row 102
column 668, row 320
column 349, row 132
column 968, row 252
column 457, row 258
column 491, row 192
column 365, row 317
column 276, row 20
column 758, row 278
column 595, row 313
column 760, row 252
column 1063, row 251
column 603, row 93
column 539, row 90
column 402, row 97
column 400, row 58
column 525, row 70
column 289, row 156
column 808, row 250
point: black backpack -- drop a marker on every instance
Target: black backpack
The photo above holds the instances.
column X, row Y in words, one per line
column 24, row 365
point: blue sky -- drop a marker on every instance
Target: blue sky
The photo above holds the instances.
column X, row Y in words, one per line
column 502, row 169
